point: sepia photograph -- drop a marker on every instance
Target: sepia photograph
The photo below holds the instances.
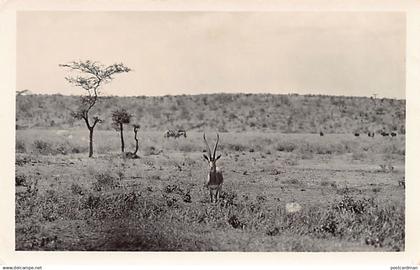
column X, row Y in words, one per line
column 245, row 131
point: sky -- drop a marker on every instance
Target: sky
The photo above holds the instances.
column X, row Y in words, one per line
column 329, row 53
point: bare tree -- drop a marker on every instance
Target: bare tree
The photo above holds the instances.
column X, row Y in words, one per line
column 119, row 118
column 92, row 76
column 136, row 128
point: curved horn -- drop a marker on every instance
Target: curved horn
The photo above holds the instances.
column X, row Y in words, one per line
column 215, row 146
column 207, row 145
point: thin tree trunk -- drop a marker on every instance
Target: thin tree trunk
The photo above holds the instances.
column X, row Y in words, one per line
column 122, row 137
column 137, row 143
column 90, row 142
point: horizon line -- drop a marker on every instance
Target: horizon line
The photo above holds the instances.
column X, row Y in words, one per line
column 209, row 93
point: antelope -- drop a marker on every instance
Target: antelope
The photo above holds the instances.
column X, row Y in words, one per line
column 215, row 177
column 182, row 132
column 169, row 133
column 175, row 133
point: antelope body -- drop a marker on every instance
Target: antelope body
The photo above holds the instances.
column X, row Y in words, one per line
column 175, row 133
column 215, row 176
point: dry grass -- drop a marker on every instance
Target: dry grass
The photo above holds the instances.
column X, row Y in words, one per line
column 66, row 201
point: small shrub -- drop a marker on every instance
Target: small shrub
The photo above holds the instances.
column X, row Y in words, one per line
column 285, row 147
column 76, row 189
column 376, row 189
column 386, row 168
column 174, row 189
column 171, row 201
column 50, row 205
column 273, row 231
column 91, row 201
column 42, row 147
column 62, row 149
column 187, row 198
column 236, row 147
column 150, row 150
column 235, row 222
column 20, row 180
column 292, row 181
column 349, row 204
column 330, row 225
column 261, row 199
column 228, row 198
column 20, row 146
column 104, row 181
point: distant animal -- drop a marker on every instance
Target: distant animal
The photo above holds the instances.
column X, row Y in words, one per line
column 371, row 134
column 214, row 178
column 357, row 134
column 171, row 133
column 182, row 132
column 384, row 134
column 393, row 134
column 321, row 133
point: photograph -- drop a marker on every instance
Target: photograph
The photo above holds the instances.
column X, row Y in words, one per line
column 203, row 131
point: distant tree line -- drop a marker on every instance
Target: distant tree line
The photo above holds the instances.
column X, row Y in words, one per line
column 224, row 112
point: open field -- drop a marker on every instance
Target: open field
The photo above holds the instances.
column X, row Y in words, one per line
column 346, row 187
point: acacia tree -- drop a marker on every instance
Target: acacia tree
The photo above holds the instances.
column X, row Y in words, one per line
column 119, row 118
column 91, row 77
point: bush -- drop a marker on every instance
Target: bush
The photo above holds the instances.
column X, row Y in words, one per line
column 349, row 204
column 228, row 198
column 63, row 149
column 42, row 147
column 104, row 181
column 76, row 189
column 20, row 180
column 286, row 146
column 236, row 147
column 20, row 146
column 150, row 150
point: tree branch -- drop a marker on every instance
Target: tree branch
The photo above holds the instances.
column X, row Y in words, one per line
column 95, row 121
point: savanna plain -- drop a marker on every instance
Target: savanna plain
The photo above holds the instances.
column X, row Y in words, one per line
column 282, row 191
column 346, row 191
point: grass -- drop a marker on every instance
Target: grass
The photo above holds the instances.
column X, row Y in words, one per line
column 53, row 142
column 70, row 202
column 150, row 224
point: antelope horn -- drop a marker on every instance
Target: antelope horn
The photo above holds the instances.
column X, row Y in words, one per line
column 208, row 147
column 215, row 146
